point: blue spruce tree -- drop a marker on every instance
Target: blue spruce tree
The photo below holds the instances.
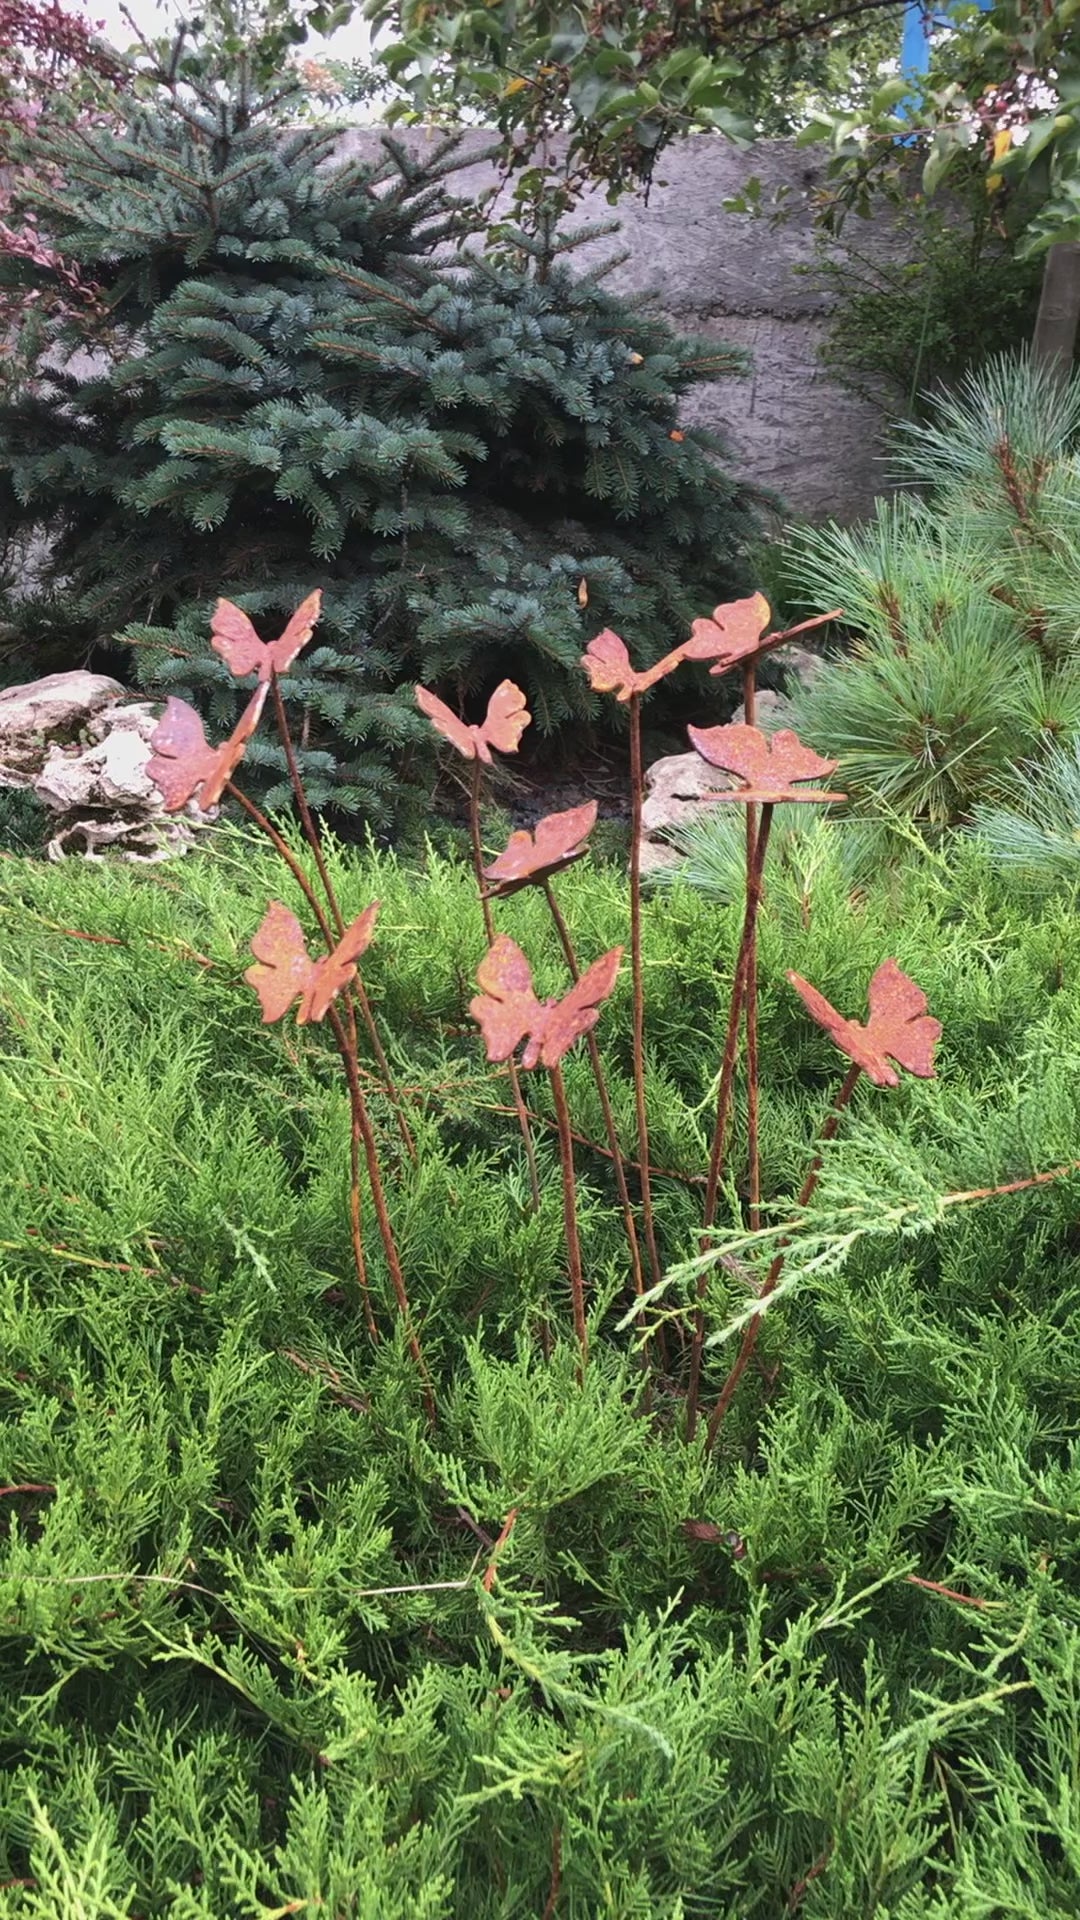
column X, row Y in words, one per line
column 298, row 378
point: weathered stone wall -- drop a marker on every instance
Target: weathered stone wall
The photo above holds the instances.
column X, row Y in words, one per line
column 731, row 277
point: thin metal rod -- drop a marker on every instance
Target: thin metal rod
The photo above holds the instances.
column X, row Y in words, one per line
column 356, row 1231
column 618, row 1165
column 382, row 1214
column 489, row 929
column 357, row 989
column 750, row 992
column 723, row 1100
column 303, row 806
column 636, row 967
column 570, row 1225
column 286, row 854
column 595, row 1146
column 738, row 988
column 753, row 1327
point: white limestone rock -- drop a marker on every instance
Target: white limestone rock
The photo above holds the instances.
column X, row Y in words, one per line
column 81, row 747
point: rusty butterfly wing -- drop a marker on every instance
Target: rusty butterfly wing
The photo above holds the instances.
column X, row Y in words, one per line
column 732, row 633
column 335, row 970
column 659, row 670
column 899, row 1025
column 447, row 723
column 235, row 640
column 740, row 629
column 226, row 758
column 182, row 756
column 735, row 749
column 516, row 866
column 506, row 1009
column 505, row 721
column 845, row 1034
column 771, row 768
column 607, row 663
column 283, row 969
column 790, row 761
column 896, row 1026
column 281, row 652
column 233, row 636
column 183, row 761
column 567, row 1020
column 816, row 1005
column 561, row 837
column 559, row 840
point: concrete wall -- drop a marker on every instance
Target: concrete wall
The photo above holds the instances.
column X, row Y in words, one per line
column 732, row 278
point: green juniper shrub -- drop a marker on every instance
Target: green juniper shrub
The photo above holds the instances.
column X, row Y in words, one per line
column 302, row 377
column 275, row 1644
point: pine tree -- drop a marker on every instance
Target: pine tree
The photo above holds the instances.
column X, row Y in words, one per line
column 960, row 601
column 295, row 384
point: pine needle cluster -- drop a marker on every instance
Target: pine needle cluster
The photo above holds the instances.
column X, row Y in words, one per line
column 1035, row 828
column 961, row 602
column 271, row 1645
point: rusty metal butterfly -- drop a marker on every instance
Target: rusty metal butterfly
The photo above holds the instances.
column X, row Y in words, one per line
column 771, row 768
column 284, row 970
column 184, row 764
column 235, row 639
column 608, row 665
column 732, row 636
column 899, row 1027
column 529, row 859
column 507, row 1010
column 502, row 727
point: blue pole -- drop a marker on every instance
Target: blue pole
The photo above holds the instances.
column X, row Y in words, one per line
column 919, row 23
column 915, row 43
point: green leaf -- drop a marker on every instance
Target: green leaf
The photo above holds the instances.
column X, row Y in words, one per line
column 735, row 125
column 626, row 103
column 586, row 94
column 707, row 88
column 842, row 129
column 1067, row 82
column 948, row 144
column 1056, row 223
column 613, row 60
column 815, row 129
column 647, row 132
column 889, row 95
column 682, row 61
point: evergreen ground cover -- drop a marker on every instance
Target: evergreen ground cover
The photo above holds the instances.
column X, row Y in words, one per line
column 274, row 1646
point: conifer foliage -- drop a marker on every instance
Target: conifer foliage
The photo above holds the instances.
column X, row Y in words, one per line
column 294, row 386
column 271, row 1646
column 961, row 603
